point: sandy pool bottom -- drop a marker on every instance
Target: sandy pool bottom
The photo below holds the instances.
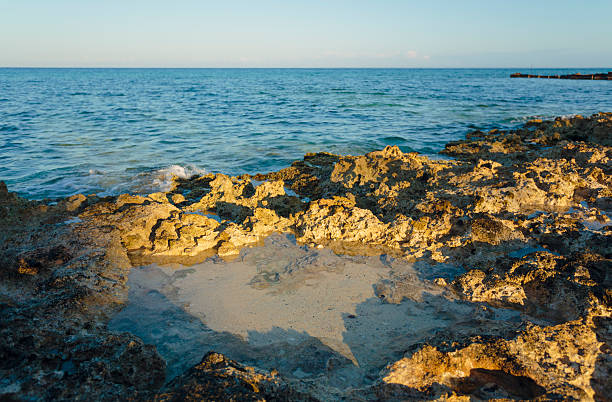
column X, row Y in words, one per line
column 309, row 313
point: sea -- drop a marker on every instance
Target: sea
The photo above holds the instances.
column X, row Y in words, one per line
column 109, row 131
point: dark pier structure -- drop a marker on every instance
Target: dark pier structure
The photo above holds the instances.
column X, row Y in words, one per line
column 577, row 76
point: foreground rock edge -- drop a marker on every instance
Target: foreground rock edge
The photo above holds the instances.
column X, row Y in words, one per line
column 524, row 212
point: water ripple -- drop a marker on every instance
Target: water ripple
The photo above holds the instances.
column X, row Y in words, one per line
column 58, row 125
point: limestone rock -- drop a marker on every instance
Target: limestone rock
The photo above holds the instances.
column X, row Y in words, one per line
column 219, row 378
column 522, row 215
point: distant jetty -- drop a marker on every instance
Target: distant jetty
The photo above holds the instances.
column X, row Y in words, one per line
column 577, row 76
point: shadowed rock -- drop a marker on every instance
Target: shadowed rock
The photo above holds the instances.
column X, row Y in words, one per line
column 521, row 218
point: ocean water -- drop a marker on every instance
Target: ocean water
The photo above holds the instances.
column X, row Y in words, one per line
column 107, row 131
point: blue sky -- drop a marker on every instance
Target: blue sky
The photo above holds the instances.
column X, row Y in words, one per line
column 313, row 33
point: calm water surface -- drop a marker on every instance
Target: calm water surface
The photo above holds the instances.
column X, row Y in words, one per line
column 65, row 131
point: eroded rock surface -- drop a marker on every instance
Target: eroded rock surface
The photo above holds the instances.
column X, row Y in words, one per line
column 524, row 214
column 218, row 378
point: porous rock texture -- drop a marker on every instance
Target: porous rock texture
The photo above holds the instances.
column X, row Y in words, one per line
column 220, row 379
column 524, row 213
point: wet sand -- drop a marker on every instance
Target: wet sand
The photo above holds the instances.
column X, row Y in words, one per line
column 306, row 312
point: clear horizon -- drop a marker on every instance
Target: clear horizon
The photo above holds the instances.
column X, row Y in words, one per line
column 603, row 69
column 301, row 34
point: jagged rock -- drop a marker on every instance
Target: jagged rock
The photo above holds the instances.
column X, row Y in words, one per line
column 523, row 213
column 541, row 362
column 339, row 220
column 219, row 378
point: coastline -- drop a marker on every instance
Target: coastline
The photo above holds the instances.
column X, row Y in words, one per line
column 99, row 135
column 524, row 213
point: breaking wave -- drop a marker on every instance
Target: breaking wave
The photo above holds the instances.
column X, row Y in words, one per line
column 162, row 178
column 150, row 181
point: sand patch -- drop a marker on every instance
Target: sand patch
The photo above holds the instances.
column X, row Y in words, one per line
column 307, row 312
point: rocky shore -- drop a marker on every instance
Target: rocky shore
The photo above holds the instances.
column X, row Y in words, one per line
column 524, row 214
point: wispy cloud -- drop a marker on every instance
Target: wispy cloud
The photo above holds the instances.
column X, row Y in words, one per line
column 398, row 55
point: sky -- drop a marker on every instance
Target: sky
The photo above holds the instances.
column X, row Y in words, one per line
column 310, row 33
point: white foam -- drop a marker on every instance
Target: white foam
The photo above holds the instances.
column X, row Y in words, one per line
column 163, row 177
column 114, row 183
column 160, row 179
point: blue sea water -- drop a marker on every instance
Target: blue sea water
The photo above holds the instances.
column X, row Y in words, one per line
column 67, row 131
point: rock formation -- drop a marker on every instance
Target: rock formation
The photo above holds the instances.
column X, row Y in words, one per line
column 524, row 212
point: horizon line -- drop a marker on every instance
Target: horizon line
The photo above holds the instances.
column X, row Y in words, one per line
column 297, row 68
